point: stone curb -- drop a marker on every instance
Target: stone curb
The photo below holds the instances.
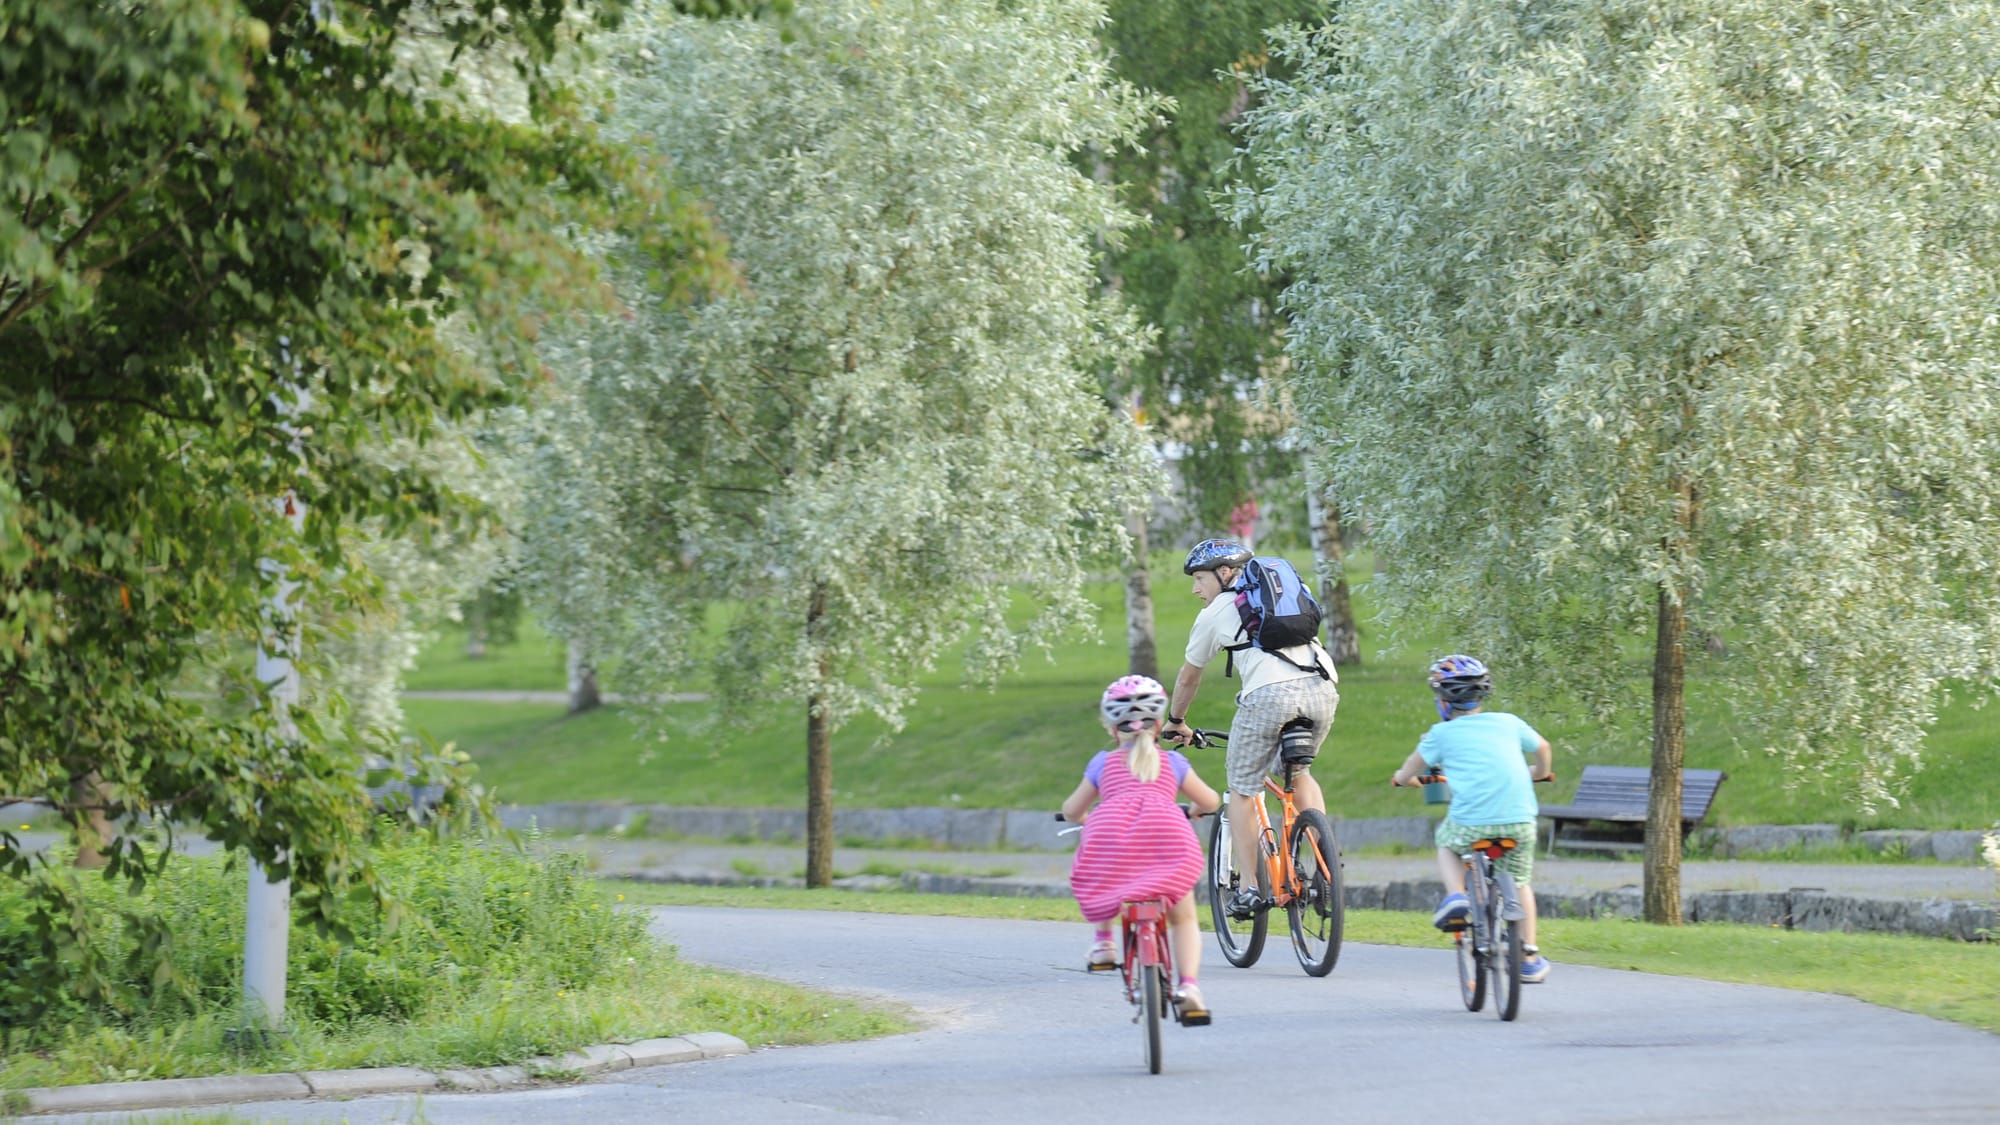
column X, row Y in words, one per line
column 1801, row 908
column 1034, row 829
column 180, row 1093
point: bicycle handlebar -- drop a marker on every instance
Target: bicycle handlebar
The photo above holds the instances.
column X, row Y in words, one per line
column 1202, row 738
column 1427, row 778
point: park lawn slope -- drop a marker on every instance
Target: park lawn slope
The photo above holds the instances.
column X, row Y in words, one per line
column 1022, row 742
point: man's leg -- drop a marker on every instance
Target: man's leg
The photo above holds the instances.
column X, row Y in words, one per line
column 1243, row 837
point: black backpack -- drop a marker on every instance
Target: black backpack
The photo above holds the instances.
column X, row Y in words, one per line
column 1278, row 612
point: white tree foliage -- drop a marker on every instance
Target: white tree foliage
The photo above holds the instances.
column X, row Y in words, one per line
column 898, row 411
column 1555, row 260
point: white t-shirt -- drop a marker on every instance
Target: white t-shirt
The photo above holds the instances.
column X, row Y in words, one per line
column 1219, row 624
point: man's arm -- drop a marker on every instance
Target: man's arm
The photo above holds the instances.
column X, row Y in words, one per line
column 1186, row 683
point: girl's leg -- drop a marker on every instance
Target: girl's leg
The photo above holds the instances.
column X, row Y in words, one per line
column 1185, row 933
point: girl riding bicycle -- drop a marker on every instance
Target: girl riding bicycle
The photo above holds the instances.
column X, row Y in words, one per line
column 1492, row 789
column 1137, row 843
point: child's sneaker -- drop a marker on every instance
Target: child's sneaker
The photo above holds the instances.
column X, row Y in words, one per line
column 1535, row 969
column 1193, row 1009
column 1452, row 913
column 1103, row 957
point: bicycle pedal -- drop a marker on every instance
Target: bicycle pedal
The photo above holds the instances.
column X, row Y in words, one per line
column 1106, row 967
column 1194, row 1019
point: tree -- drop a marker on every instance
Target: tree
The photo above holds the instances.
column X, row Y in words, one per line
column 893, row 430
column 1634, row 320
column 1213, row 377
column 250, row 250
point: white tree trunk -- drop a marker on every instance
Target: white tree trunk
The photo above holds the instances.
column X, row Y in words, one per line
column 583, row 693
column 1142, row 650
column 1343, row 634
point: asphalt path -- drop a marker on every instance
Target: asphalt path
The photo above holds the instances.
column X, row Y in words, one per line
column 1015, row 1031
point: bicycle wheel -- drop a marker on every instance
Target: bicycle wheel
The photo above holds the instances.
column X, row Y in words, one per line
column 1470, row 944
column 1149, row 1015
column 1317, row 913
column 1505, row 961
column 1241, row 939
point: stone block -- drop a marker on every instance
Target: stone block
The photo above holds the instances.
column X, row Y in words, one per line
column 1035, row 831
column 1375, row 832
column 1756, row 838
column 659, row 1052
column 372, row 1080
column 1747, row 908
column 162, row 1093
column 1958, row 846
column 978, row 828
column 1908, row 842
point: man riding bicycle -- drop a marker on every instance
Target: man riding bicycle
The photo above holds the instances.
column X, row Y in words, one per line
column 1297, row 684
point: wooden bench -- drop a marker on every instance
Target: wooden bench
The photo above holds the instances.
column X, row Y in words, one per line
column 1616, row 796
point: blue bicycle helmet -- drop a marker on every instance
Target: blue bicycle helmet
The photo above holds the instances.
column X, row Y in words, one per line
column 1211, row 553
column 1459, row 682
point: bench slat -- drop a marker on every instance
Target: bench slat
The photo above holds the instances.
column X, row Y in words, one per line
column 1618, row 795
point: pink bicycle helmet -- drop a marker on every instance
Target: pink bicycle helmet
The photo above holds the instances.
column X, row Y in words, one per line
column 1133, row 703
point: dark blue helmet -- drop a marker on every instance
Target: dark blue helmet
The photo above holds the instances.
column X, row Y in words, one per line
column 1461, row 681
column 1211, row 553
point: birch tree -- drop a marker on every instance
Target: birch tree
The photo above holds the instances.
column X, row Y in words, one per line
column 1634, row 320
column 894, row 427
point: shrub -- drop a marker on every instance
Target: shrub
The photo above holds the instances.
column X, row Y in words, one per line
column 463, row 915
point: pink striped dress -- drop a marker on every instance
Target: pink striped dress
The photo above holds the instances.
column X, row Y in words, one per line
column 1137, row 844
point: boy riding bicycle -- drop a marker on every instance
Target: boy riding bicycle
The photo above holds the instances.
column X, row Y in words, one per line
column 1492, row 790
column 1279, row 688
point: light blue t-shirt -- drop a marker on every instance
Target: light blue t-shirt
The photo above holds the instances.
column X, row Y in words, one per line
column 1480, row 755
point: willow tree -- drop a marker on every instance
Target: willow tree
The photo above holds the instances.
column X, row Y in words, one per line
column 1650, row 321
column 893, row 427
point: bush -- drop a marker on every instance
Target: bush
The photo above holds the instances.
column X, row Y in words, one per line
column 463, row 916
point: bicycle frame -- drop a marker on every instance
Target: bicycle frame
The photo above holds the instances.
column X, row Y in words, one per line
column 1145, row 942
column 1496, row 910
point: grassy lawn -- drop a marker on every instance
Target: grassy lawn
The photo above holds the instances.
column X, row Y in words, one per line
column 1946, row 980
column 1021, row 743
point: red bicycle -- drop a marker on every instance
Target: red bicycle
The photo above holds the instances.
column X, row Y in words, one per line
column 1147, row 964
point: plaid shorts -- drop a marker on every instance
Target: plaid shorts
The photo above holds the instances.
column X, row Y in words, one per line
column 1520, row 863
column 1261, row 714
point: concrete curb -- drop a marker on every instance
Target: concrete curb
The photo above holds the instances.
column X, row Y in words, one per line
column 179, row 1093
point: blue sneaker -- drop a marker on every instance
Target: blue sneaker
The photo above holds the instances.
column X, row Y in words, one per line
column 1535, row 969
column 1452, row 913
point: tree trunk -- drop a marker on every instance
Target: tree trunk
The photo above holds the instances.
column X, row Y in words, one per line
column 819, row 756
column 1343, row 635
column 1662, row 900
column 1143, row 658
column 583, row 693
column 475, row 630
column 95, row 831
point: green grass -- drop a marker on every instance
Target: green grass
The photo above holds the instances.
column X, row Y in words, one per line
column 1022, row 743
column 500, row 958
column 1943, row 979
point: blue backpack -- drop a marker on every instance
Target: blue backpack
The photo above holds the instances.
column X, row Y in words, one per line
column 1278, row 611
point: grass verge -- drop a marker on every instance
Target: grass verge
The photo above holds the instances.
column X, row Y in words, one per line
column 1942, row 979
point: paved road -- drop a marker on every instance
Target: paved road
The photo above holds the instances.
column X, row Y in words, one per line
column 1016, row 1032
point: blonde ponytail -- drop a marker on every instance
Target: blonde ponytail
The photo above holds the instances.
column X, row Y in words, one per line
column 1142, row 755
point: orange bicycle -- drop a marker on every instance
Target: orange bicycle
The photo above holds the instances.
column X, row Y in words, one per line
column 1303, row 875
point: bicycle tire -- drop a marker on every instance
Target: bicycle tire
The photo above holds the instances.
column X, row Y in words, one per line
column 1151, row 1005
column 1242, row 940
column 1469, row 943
column 1317, row 911
column 1505, row 961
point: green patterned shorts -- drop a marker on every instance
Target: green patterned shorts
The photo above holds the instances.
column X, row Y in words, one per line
column 1520, row 863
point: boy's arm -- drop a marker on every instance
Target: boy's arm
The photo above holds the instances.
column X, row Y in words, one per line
column 1413, row 767
column 1544, row 762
